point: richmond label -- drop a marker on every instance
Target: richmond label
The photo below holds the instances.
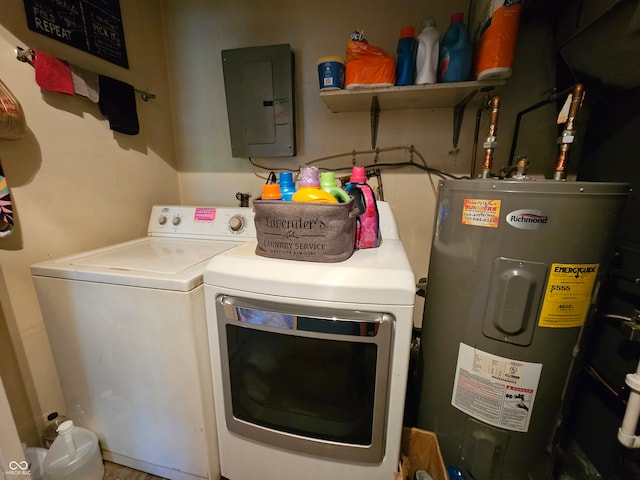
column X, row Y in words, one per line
column 527, row 219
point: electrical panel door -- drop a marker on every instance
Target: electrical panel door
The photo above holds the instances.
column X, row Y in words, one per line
column 259, row 88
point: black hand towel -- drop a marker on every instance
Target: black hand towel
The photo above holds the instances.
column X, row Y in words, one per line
column 118, row 103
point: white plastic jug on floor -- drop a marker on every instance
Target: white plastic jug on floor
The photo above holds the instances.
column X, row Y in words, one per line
column 74, row 455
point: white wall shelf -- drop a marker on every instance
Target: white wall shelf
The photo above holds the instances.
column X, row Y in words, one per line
column 437, row 95
column 456, row 95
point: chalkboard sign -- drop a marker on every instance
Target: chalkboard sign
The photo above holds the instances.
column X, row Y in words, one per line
column 94, row 26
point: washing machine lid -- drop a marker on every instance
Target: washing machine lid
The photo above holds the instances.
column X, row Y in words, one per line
column 151, row 262
column 376, row 276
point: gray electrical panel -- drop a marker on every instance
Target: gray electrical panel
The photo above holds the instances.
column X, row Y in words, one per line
column 259, row 87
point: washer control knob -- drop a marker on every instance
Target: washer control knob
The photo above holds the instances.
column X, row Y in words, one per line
column 176, row 220
column 236, row 223
column 162, row 219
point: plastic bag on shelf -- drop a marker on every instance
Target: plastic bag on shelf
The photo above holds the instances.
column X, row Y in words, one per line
column 367, row 65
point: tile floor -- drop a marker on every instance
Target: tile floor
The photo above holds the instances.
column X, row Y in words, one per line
column 113, row 471
column 575, row 466
column 118, row 472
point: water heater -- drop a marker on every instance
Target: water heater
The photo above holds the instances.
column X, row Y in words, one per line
column 514, row 270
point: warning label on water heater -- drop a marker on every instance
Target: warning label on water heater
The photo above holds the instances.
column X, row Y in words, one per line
column 496, row 390
column 568, row 295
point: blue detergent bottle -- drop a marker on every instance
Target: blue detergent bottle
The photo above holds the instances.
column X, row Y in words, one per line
column 454, row 64
column 287, row 186
column 406, row 65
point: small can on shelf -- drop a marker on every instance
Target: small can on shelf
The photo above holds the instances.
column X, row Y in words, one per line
column 331, row 73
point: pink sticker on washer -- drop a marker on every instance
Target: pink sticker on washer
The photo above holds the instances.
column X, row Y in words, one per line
column 204, row 214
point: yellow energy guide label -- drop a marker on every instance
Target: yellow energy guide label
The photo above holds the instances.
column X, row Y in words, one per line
column 568, row 295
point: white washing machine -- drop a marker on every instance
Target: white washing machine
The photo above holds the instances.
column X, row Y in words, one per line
column 310, row 361
column 126, row 324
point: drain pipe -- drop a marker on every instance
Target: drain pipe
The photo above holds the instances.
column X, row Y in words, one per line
column 627, row 432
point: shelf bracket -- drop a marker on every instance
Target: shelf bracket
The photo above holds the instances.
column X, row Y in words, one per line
column 458, row 113
column 375, row 118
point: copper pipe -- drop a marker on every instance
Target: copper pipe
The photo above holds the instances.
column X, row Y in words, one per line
column 476, row 133
column 568, row 134
column 490, row 143
column 576, row 103
column 563, row 159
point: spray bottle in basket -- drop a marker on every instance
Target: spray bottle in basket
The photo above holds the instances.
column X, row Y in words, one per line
column 271, row 189
column 368, row 224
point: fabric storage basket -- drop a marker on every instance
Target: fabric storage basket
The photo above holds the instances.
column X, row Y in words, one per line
column 312, row 232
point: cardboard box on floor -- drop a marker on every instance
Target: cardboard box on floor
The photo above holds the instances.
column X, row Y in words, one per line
column 420, row 451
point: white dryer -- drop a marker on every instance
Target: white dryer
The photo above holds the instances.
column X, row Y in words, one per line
column 310, row 361
column 127, row 329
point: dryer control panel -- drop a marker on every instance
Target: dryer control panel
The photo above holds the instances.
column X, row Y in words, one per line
column 215, row 223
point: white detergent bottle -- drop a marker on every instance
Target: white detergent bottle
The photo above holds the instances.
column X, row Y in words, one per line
column 74, row 455
column 427, row 54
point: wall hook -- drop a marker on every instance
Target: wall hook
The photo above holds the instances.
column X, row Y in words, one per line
column 145, row 96
column 24, row 55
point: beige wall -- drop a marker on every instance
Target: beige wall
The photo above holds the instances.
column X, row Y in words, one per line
column 75, row 183
column 11, row 375
column 10, row 445
column 197, row 31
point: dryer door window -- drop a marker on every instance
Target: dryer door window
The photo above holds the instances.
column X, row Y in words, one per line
column 306, row 379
